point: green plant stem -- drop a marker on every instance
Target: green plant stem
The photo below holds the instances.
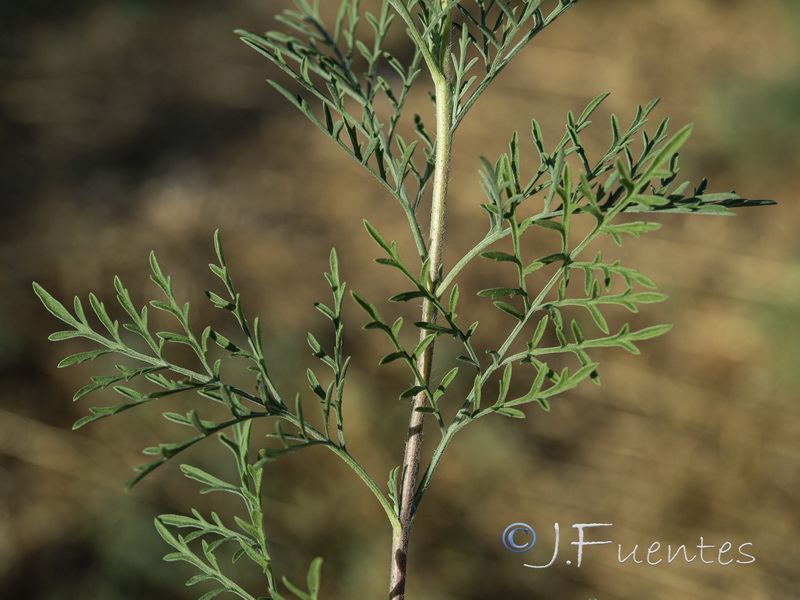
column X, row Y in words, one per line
column 411, row 458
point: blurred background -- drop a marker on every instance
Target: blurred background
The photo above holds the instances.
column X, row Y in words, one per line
column 135, row 125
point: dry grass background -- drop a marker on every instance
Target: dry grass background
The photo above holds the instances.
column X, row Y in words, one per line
column 127, row 126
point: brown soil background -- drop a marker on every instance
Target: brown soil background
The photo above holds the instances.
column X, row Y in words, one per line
column 130, row 126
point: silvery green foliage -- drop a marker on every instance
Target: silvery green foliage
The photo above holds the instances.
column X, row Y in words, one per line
column 338, row 76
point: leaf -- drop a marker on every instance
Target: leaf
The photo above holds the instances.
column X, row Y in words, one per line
column 59, row 336
column 506, row 411
column 649, row 200
column 100, row 310
column 423, row 344
column 507, row 308
column 548, row 224
column 650, row 332
column 534, row 266
column 377, row 237
column 438, row 329
column 448, row 378
column 314, row 384
column 406, row 296
column 590, row 108
column 397, row 326
column 220, row 302
column 218, row 338
column 81, row 357
column 366, row 307
column 500, row 257
column 295, row 590
column 313, row 343
column 534, row 393
column 577, row 332
column 101, row 412
column 598, row 317
column 505, row 383
column 213, row 593
column 169, row 336
column 181, row 521
column 54, row 306
column 636, row 229
column 539, row 332
column 215, row 484
column 454, row 295
column 199, row 578
column 670, row 148
column 412, row 391
column 583, row 373
column 645, row 297
column 313, row 578
column 393, row 357
column 392, row 486
column 248, row 528
column 500, row 292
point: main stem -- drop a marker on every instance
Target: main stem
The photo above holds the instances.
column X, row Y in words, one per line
column 411, row 458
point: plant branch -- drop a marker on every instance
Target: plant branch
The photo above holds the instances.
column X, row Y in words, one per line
column 348, row 459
